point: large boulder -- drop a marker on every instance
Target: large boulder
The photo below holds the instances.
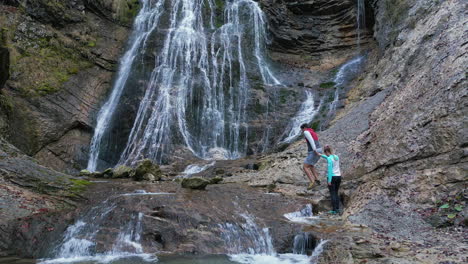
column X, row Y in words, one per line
column 147, row 166
column 123, row 171
column 194, row 183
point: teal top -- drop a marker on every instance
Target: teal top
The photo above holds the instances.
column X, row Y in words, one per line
column 333, row 168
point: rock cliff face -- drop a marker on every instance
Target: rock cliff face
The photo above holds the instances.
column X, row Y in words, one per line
column 401, row 136
column 31, row 193
column 63, row 56
column 402, row 133
column 320, row 33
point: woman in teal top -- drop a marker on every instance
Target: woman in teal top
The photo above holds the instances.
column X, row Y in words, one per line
column 333, row 177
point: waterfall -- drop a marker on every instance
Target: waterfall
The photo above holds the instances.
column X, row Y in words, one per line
column 346, row 73
column 306, row 114
column 360, row 20
column 83, row 241
column 304, row 243
column 145, row 23
column 246, row 237
column 318, row 251
column 198, row 88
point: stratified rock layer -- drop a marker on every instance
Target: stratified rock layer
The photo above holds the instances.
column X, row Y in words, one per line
column 63, row 56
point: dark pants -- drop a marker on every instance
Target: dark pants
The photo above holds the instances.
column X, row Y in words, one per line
column 335, row 198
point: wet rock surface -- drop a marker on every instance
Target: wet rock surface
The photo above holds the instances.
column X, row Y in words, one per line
column 63, row 55
column 401, row 136
column 184, row 221
column 32, row 198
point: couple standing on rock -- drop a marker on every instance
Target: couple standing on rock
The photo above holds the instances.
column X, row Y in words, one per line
column 333, row 169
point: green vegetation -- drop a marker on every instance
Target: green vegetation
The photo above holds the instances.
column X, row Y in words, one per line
column 315, row 125
column 128, row 11
column 259, row 108
column 78, row 185
column 330, row 97
column 219, row 18
column 6, row 103
column 327, row 84
column 284, row 94
column 52, row 64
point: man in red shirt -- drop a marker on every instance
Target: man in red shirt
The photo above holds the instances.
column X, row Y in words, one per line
column 313, row 146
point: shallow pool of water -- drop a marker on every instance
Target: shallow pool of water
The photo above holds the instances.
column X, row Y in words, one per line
column 210, row 259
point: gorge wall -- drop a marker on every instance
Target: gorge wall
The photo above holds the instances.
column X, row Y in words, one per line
column 64, row 56
column 401, row 132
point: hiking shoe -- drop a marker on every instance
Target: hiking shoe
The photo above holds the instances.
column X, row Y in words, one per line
column 311, row 185
column 317, row 182
column 332, row 212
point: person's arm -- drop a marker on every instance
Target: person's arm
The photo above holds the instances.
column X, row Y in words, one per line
column 330, row 170
column 310, row 140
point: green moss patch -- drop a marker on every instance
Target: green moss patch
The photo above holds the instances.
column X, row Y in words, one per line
column 46, row 67
column 327, row 85
column 78, row 185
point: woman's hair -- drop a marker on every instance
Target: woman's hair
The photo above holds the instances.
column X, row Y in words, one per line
column 305, row 125
column 328, row 149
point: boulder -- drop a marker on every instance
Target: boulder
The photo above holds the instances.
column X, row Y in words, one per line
column 123, row 171
column 216, row 180
column 150, row 177
column 85, row 173
column 147, row 166
column 194, row 183
column 103, row 174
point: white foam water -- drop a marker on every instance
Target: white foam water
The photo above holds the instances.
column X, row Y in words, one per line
column 79, row 241
column 318, row 251
column 196, row 168
column 270, row 259
column 303, row 216
column 247, row 243
column 143, row 192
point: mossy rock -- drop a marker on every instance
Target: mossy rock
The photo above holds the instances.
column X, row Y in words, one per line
column 85, row 173
column 264, row 164
column 147, row 166
column 150, row 177
column 327, row 85
column 194, row 183
column 123, row 171
column 78, row 185
column 103, row 174
column 216, row 180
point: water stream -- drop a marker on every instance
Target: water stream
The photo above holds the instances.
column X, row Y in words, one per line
column 200, row 79
column 306, row 114
column 361, row 21
column 90, row 239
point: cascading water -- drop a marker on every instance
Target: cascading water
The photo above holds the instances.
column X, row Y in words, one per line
column 247, row 237
column 361, row 20
column 82, row 241
column 200, row 79
column 306, row 114
column 304, row 243
column 247, row 243
column 346, row 73
column 195, row 168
